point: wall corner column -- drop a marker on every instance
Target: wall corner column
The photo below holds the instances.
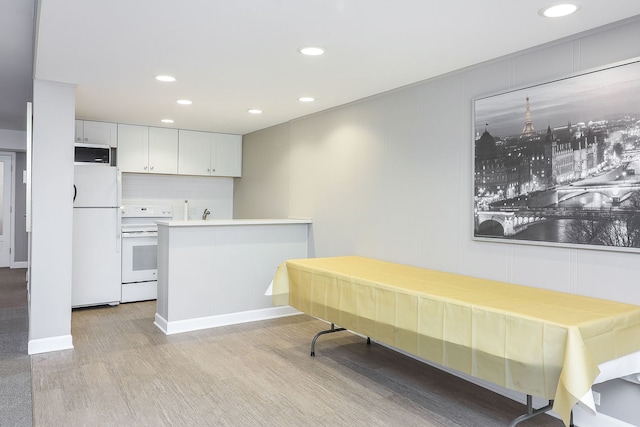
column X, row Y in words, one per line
column 50, row 264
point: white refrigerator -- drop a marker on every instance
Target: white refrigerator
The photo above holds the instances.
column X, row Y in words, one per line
column 96, row 236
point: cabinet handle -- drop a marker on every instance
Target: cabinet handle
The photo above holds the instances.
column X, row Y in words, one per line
column 208, row 170
column 151, row 167
column 145, row 168
column 86, row 139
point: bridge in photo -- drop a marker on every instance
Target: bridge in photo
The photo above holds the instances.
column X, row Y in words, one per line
column 514, row 220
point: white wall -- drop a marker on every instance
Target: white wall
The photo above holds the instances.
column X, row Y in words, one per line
column 212, row 193
column 52, row 217
column 390, row 177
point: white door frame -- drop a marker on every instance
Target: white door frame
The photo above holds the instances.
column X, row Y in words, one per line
column 12, row 220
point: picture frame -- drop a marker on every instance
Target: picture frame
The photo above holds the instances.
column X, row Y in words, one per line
column 558, row 163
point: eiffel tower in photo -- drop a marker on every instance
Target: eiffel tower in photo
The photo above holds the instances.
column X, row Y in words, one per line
column 528, row 125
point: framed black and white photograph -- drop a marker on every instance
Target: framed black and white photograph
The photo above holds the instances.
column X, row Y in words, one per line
column 558, row 163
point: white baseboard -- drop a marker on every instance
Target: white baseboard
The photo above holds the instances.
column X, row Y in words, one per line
column 19, row 264
column 45, row 345
column 179, row 326
column 161, row 323
column 584, row 418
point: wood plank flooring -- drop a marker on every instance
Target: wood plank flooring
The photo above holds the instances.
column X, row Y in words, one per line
column 124, row 372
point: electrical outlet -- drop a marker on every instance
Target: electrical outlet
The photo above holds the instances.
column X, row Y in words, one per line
column 596, row 398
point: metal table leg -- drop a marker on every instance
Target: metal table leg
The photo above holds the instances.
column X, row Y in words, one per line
column 531, row 412
column 328, row 331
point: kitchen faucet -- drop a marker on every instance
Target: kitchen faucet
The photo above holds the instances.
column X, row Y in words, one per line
column 205, row 213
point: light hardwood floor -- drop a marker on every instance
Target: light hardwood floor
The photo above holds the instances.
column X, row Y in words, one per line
column 124, row 372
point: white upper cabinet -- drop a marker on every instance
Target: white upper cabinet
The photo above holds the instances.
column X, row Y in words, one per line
column 226, row 155
column 163, row 150
column 209, row 154
column 145, row 149
column 133, row 153
column 88, row 132
column 194, row 152
column 79, row 131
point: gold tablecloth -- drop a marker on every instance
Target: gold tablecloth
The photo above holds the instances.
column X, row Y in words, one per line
column 539, row 342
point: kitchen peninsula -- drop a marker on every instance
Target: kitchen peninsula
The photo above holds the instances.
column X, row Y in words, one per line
column 215, row 272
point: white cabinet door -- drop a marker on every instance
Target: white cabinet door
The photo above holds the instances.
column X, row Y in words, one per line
column 226, row 155
column 79, row 131
column 100, row 133
column 133, row 150
column 194, row 153
column 163, row 150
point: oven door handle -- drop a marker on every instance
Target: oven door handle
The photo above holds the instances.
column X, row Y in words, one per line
column 138, row 234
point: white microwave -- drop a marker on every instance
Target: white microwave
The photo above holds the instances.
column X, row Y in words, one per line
column 93, row 154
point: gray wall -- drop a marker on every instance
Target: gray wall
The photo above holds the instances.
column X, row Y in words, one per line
column 390, row 176
column 265, row 175
column 20, row 237
column 16, row 141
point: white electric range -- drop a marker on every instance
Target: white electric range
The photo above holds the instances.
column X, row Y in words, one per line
column 140, row 250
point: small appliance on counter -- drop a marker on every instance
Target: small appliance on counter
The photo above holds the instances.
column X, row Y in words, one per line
column 140, row 251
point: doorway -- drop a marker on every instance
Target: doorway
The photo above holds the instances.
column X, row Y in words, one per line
column 6, row 191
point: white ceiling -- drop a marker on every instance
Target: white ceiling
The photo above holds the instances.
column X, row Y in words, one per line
column 232, row 55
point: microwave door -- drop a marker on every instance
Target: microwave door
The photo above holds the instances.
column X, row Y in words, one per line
column 88, row 154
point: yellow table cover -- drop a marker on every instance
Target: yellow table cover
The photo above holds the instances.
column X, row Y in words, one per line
column 536, row 341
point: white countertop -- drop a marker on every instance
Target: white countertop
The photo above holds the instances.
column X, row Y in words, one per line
column 219, row 222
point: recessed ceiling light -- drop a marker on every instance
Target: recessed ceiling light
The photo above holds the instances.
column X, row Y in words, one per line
column 306, row 99
column 166, row 121
column 184, row 102
column 312, row 50
column 166, row 78
column 559, row 10
column 254, row 111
